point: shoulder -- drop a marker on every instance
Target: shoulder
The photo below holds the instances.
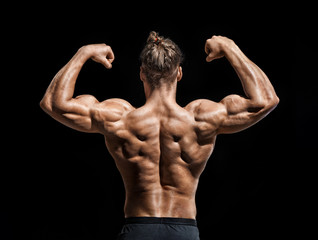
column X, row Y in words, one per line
column 203, row 108
column 207, row 112
column 111, row 109
column 117, row 103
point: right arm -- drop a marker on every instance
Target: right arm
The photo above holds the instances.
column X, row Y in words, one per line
column 236, row 112
column 84, row 112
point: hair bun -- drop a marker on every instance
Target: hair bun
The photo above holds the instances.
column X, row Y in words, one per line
column 154, row 38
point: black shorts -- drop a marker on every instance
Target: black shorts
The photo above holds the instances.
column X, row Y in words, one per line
column 152, row 228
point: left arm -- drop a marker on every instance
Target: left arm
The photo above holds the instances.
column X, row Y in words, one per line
column 241, row 112
column 58, row 100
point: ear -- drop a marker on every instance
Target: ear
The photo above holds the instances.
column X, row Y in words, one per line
column 142, row 74
column 180, row 74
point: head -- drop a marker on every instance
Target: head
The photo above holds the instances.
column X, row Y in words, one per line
column 160, row 61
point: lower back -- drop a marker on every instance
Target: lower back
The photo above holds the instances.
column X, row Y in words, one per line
column 161, row 202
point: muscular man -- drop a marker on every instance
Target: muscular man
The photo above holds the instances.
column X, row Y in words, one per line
column 161, row 148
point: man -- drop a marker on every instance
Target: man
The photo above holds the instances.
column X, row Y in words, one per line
column 161, row 148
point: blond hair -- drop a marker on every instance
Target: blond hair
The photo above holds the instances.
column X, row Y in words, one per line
column 160, row 59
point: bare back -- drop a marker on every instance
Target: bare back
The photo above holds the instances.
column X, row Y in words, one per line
column 160, row 151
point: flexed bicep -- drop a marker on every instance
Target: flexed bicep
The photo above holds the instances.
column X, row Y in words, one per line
column 240, row 114
column 76, row 113
column 58, row 101
column 86, row 114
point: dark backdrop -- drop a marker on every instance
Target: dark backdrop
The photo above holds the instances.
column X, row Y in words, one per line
column 63, row 184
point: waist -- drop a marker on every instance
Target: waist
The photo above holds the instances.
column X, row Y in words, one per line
column 161, row 220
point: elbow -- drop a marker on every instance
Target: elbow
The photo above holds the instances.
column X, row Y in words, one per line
column 50, row 106
column 271, row 103
column 276, row 101
column 266, row 105
column 46, row 105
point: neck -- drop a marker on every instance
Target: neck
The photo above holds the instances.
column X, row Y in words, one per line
column 163, row 94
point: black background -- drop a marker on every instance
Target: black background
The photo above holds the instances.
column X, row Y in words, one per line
column 61, row 184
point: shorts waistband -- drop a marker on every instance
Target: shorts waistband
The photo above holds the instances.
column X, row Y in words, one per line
column 158, row 220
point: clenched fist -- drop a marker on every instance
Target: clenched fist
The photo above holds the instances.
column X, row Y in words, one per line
column 100, row 53
column 214, row 47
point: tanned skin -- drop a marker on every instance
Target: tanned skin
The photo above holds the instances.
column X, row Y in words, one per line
column 161, row 148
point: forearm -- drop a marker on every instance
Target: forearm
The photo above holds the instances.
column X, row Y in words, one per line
column 61, row 89
column 256, row 85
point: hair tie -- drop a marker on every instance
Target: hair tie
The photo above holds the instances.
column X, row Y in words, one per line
column 157, row 41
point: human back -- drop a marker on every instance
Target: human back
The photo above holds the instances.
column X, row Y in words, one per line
column 158, row 153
